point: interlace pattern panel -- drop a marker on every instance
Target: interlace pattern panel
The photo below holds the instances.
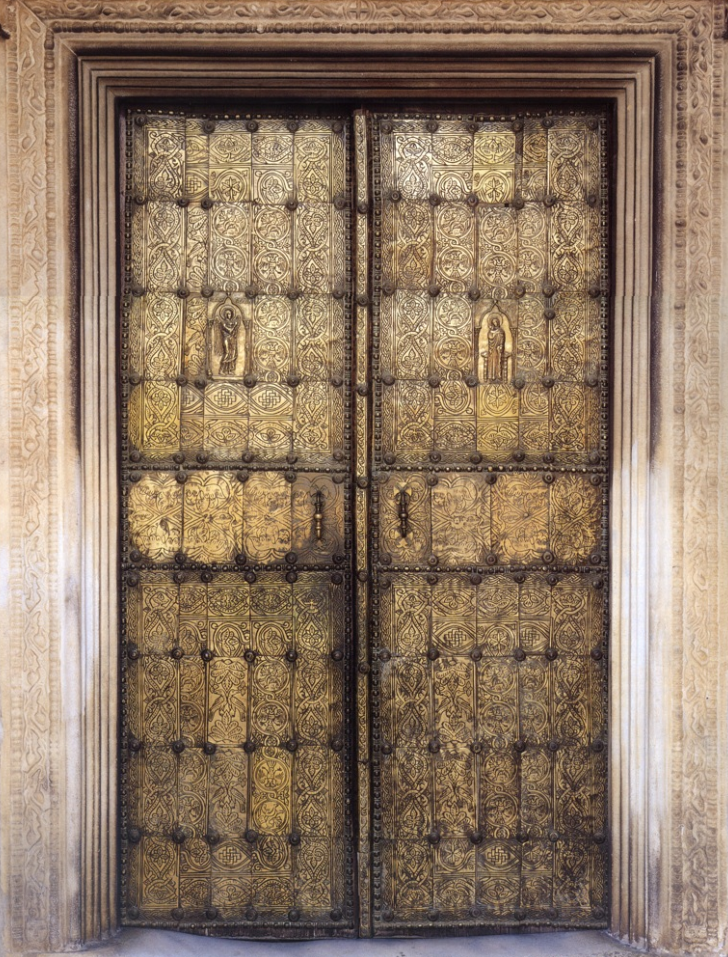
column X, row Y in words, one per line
column 236, row 525
column 489, row 515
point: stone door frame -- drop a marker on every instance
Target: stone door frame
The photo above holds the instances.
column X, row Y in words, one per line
column 69, row 66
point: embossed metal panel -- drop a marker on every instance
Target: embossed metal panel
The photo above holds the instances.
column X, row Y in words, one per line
column 236, row 525
column 488, row 515
column 364, row 432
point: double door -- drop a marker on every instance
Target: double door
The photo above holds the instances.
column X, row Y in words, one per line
column 363, row 475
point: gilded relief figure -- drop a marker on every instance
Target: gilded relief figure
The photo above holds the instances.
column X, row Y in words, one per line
column 229, row 333
column 494, row 345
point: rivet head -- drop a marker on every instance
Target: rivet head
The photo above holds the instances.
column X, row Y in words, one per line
column 435, row 456
column 135, row 455
column 385, row 654
column 293, row 293
column 209, row 748
column 337, row 654
column 433, row 654
column 491, row 558
column 251, row 836
column 362, row 299
column 178, row 746
column 519, row 913
column 599, row 837
column 338, row 292
column 337, row 744
column 206, row 577
column 548, row 289
column 389, row 458
column 206, row 204
column 250, row 577
column 202, row 457
column 519, row 578
column 337, row 126
column 340, row 202
column 292, row 126
column 294, row 838
column 206, row 654
column 433, row 914
column 552, row 579
column 337, row 381
column 211, row 912
column 140, row 199
column 476, row 458
column 177, row 913
column 519, row 290
column 548, row 382
column 140, row 119
column 249, row 655
column 132, row 652
column 134, row 835
column 474, row 293
column 137, row 289
column 471, row 381
column 475, row 578
column 364, row 668
column 553, row 745
column 434, row 199
column 362, row 208
column 518, row 202
column 388, row 378
column 249, row 747
column 548, row 477
column 135, row 555
column 433, row 746
column 336, row 578
column 594, row 291
column 212, row 837
column 476, row 654
column 594, row 457
column 491, row 478
column 476, row 747
column 519, row 654
column 362, row 575
column 549, row 314
column 362, row 481
column 433, row 381
column 522, row 837
column 591, row 379
column 434, row 836
column 388, row 288
column 387, row 913
column 432, row 480
column 134, row 744
column 179, row 836
column 395, row 195
column 433, row 289
column 431, row 579
column 201, row 383
column 336, row 914
column 597, row 654
column 476, row 837
column 519, row 382
column 432, row 126
column 519, row 455
column 292, row 745
column 251, row 913
column 251, row 126
column 294, row 913
column 387, row 748
column 597, row 745
column 595, row 558
column 290, row 476
column 177, row 653
column 592, row 199
column 519, row 745
column 291, row 654
column 362, row 389
column 599, row 912
column 208, row 126
column 183, row 202
column 249, row 380
column 433, row 560
column 252, row 291
column 386, row 126
column 549, row 200
column 547, row 557
column 132, row 579
column 472, row 200
column 596, row 480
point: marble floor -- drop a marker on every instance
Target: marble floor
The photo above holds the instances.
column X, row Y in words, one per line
column 156, row 943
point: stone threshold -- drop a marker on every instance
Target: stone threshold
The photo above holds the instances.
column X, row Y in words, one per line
column 161, row 943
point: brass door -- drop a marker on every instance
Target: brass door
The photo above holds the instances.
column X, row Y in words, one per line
column 364, row 566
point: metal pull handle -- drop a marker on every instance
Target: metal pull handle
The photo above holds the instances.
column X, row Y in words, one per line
column 318, row 515
column 403, row 499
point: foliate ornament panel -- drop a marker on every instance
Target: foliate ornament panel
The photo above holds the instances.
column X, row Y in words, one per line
column 236, row 526
column 237, row 285
column 489, row 502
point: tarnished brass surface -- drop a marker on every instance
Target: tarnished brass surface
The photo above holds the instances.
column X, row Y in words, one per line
column 364, row 485
column 489, row 522
column 237, row 596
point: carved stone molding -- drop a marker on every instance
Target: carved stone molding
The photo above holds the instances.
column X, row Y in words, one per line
column 57, row 859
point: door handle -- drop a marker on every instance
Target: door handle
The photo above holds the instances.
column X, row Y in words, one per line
column 403, row 500
column 318, row 514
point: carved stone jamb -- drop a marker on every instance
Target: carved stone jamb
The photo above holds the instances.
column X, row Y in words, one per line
column 669, row 797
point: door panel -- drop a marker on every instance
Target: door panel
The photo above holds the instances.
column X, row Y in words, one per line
column 236, row 518
column 364, row 487
column 489, row 522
